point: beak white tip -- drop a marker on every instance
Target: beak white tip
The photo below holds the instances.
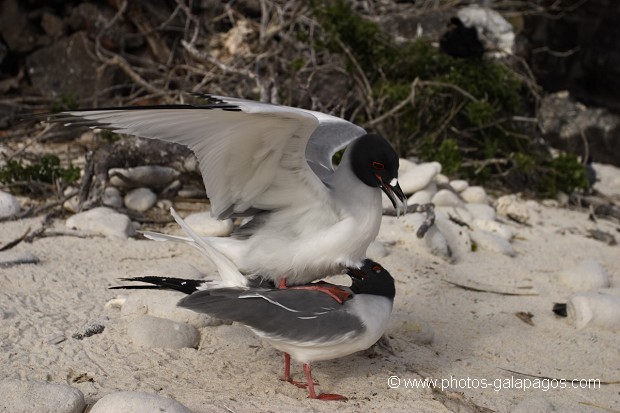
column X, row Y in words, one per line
column 394, row 182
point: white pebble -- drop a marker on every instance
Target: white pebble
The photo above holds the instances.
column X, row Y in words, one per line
column 192, row 192
column 538, row 404
column 482, row 211
column 404, row 165
column 420, row 197
column 140, row 199
column 494, row 227
column 512, row 206
column 149, row 331
column 207, row 226
column 445, row 197
column 72, row 203
column 377, row 250
column 152, row 176
column 12, row 257
column 475, row 195
column 103, row 221
column 112, row 197
column 19, row 396
column 137, row 402
column 588, row 275
column 594, row 309
column 9, row 206
column 491, row 242
column 459, row 185
column 414, row 328
column 441, row 179
column 418, row 177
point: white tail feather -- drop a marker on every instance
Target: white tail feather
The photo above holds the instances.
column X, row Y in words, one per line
column 231, row 277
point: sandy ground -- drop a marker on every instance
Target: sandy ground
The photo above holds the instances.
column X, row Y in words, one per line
column 476, row 335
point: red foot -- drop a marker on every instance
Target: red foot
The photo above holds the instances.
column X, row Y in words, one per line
column 333, row 291
column 329, row 396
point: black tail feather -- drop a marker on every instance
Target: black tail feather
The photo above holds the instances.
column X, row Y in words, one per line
column 162, row 283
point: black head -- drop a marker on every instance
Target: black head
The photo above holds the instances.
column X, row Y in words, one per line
column 375, row 163
column 373, row 279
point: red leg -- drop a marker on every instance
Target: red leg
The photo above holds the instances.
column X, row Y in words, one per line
column 287, row 373
column 312, row 394
column 282, row 284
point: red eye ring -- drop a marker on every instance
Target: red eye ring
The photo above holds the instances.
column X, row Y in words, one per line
column 376, row 268
column 378, row 166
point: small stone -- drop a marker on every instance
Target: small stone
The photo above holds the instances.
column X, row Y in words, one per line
column 482, row 211
column 207, row 226
column 140, row 199
column 441, row 179
column 414, row 328
column 103, row 221
column 418, row 177
column 475, row 195
column 137, row 402
column 513, row 207
column 491, row 242
column 445, row 197
column 537, row 404
column 191, row 164
column 459, row 185
column 11, row 257
column 89, row 329
column 9, row 206
column 112, row 197
column 171, row 190
column 20, row 396
column 72, row 203
column 377, row 250
column 149, row 331
column 151, row 176
column 588, row 275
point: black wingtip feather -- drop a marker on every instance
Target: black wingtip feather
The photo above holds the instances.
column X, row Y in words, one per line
column 162, row 283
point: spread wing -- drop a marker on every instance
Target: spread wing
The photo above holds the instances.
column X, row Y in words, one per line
column 252, row 155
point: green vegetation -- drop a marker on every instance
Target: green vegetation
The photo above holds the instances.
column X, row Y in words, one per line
column 461, row 112
column 46, row 170
column 64, row 102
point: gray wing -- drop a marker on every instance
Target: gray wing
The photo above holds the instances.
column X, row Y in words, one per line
column 293, row 315
column 252, row 155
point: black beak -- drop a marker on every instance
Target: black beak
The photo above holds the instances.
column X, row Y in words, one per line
column 393, row 191
column 355, row 273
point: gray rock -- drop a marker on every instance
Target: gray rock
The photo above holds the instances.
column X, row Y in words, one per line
column 137, row 402
column 494, row 227
column 112, row 197
column 513, row 207
column 151, row 176
column 149, row 331
column 68, row 68
column 102, row 221
column 207, row 226
column 9, row 206
column 20, row 396
column 12, row 257
column 192, row 192
column 140, row 199
column 495, row 32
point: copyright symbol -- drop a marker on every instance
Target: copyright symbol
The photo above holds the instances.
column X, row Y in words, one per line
column 393, row 382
